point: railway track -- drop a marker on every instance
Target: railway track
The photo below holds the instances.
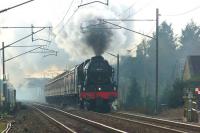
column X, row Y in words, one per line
column 73, row 123
column 160, row 124
column 8, row 127
column 56, row 122
column 179, row 126
column 132, row 123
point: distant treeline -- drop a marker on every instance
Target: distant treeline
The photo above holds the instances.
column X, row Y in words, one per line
column 137, row 74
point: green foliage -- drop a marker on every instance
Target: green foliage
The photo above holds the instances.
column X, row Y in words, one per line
column 167, row 55
column 165, row 96
column 2, row 126
column 149, row 106
column 190, row 35
column 190, row 40
column 173, row 97
column 134, row 94
column 142, row 67
column 176, row 94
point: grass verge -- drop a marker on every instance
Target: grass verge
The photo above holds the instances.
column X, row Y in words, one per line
column 2, row 126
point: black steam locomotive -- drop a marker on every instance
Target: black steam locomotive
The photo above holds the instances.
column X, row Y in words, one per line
column 90, row 84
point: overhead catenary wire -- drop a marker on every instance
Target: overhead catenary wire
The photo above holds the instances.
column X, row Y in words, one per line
column 77, row 10
column 50, row 55
column 126, row 18
column 26, row 27
column 40, row 39
column 93, row 2
column 71, row 16
column 128, row 29
column 42, row 52
column 49, row 39
column 130, row 50
column 21, row 27
column 27, row 45
column 22, row 38
column 140, row 9
column 135, row 48
column 183, row 13
column 137, row 11
column 4, row 10
column 129, row 19
column 65, row 14
column 22, row 54
column 68, row 20
column 99, row 28
column 128, row 8
column 48, row 49
column 151, row 30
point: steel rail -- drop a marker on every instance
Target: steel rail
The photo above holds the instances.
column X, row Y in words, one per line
column 145, row 124
column 55, row 121
column 166, row 129
column 142, row 123
column 184, row 126
column 90, row 122
column 8, row 127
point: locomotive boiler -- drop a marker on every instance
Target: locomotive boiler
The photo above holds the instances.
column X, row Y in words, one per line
column 90, row 85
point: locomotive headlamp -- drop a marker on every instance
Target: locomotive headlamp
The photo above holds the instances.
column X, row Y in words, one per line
column 99, row 89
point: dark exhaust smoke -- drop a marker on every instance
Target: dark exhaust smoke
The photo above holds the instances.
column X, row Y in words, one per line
column 98, row 36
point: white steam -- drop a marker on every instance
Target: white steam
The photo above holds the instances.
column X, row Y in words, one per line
column 68, row 42
column 70, row 36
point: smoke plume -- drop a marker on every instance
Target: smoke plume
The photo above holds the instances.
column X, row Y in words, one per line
column 98, row 37
column 85, row 35
column 73, row 44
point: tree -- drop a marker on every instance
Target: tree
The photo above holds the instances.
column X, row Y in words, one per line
column 142, row 67
column 167, row 54
column 134, row 94
column 190, row 40
column 176, row 95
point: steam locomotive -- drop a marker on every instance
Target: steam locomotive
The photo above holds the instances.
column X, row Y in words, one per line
column 90, row 85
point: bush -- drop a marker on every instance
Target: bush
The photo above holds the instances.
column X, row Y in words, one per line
column 134, row 98
column 176, row 94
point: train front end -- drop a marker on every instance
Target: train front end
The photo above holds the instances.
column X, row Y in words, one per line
column 99, row 89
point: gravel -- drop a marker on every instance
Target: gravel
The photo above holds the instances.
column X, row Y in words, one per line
column 76, row 125
column 116, row 123
column 28, row 120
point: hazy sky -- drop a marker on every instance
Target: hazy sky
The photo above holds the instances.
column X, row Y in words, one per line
column 42, row 12
column 52, row 12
